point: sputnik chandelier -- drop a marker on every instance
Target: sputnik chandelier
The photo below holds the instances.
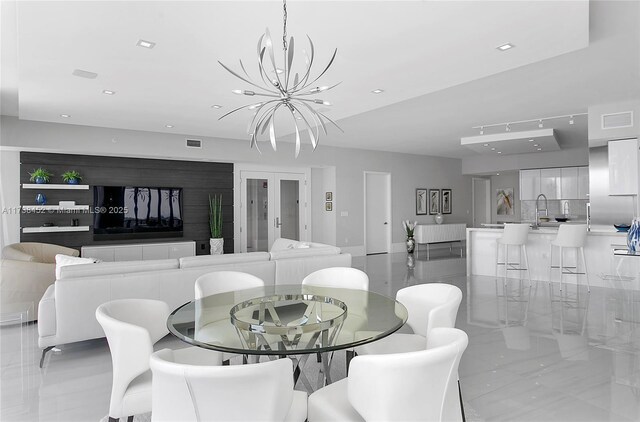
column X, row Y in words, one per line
column 283, row 92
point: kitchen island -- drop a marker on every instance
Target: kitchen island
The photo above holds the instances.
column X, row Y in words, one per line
column 603, row 267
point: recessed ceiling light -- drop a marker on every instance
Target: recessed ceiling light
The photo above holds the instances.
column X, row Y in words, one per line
column 493, row 149
column 216, row 106
column 539, row 149
column 497, row 174
column 571, row 120
column 146, row 44
column 108, row 92
column 485, row 145
column 505, row 47
column 536, row 145
column 378, row 91
column 499, row 152
column 530, row 140
column 169, row 126
column 66, row 116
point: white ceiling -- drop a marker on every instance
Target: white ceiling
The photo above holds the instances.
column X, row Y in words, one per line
column 436, row 61
column 507, row 143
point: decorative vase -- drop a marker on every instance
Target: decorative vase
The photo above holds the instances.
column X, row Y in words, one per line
column 633, row 236
column 73, row 181
column 41, row 199
column 40, row 180
column 411, row 244
column 439, row 218
column 217, row 246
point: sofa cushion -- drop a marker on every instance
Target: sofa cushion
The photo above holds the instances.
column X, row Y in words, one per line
column 121, row 267
column 234, row 258
column 66, row 260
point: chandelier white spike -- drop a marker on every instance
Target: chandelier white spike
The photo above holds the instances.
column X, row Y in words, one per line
column 281, row 91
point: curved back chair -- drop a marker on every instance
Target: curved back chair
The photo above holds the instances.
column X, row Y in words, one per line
column 430, row 305
column 225, row 281
column 417, row 385
column 185, row 390
column 570, row 236
column 132, row 326
column 339, row 277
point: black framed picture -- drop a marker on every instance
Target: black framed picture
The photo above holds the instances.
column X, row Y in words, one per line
column 446, row 201
column 434, row 201
column 421, row 201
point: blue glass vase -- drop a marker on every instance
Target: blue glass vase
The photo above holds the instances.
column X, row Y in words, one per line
column 633, row 236
column 41, row 199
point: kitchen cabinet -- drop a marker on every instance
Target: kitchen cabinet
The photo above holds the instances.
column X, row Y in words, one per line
column 569, row 183
column 583, row 182
column 623, row 167
column 529, row 184
column 551, row 183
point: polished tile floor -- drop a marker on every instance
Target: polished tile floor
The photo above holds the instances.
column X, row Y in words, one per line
column 535, row 353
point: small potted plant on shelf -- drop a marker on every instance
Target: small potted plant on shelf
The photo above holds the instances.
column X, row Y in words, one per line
column 40, row 176
column 71, row 177
column 215, row 224
column 409, row 227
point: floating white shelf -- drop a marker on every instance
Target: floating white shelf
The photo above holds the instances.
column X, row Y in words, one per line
column 53, row 229
column 53, row 186
column 55, row 208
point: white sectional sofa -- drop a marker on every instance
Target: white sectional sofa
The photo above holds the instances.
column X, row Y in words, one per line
column 67, row 309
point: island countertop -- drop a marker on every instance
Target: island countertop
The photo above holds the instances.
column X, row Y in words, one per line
column 595, row 231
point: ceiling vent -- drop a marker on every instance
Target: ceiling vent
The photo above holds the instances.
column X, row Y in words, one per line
column 617, row 120
column 84, row 74
column 194, row 143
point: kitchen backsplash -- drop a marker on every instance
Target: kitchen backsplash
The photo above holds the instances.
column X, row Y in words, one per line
column 577, row 208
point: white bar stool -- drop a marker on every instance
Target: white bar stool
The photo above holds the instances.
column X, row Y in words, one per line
column 570, row 236
column 513, row 235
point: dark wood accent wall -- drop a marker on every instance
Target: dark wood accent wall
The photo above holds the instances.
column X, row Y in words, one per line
column 198, row 180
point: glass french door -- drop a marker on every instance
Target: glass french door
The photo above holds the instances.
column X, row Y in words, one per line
column 273, row 206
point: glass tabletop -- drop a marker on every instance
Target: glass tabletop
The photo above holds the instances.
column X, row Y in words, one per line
column 287, row 320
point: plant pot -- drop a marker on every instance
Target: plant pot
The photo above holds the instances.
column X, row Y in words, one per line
column 41, row 199
column 411, row 244
column 73, row 182
column 40, row 180
column 217, row 246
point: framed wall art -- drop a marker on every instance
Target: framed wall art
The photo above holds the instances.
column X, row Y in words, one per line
column 421, row 201
column 434, row 201
column 446, row 201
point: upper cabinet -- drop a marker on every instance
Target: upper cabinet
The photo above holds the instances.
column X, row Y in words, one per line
column 569, row 182
column 555, row 183
column 551, row 183
column 529, row 184
column 623, row 167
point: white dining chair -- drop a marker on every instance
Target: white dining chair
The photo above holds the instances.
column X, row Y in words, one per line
column 414, row 386
column 132, row 327
column 429, row 306
column 225, row 281
column 344, row 278
column 187, row 391
column 215, row 328
column 340, row 277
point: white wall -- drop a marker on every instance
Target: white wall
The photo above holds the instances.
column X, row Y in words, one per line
column 9, row 197
column 343, row 165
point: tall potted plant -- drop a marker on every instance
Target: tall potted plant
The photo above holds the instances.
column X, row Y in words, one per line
column 215, row 224
column 409, row 228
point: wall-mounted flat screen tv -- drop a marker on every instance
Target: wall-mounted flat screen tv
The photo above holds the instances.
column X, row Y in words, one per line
column 136, row 212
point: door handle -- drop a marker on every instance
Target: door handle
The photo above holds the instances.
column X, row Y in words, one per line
column 277, row 223
column 385, row 223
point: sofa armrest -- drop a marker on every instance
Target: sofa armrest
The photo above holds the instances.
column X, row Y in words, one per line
column 47, row 313
column 14, row 254
column 24, row 281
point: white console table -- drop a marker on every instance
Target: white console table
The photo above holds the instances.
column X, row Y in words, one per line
column 427, row 234
column 140, row 252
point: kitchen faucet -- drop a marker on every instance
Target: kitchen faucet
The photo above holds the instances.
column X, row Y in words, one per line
column 546, row 210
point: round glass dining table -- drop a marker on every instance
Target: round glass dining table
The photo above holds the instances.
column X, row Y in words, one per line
column 287, row 320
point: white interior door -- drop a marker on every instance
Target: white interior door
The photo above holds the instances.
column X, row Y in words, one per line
column 377, row 212
column 481, row 201
column 273, row 206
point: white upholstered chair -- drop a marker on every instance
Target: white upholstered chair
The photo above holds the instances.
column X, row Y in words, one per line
column 429, row 306
column 132, row 327
column 215, row 328
column 414, row 386
column 340, row 277
column 225, row 281
column 185, row 390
